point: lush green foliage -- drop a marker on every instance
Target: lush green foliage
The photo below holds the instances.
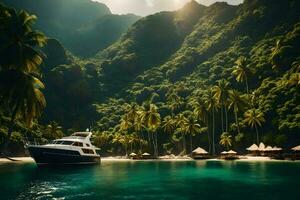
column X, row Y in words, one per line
column 83, row 26
column 212, row 75
column 21, row 97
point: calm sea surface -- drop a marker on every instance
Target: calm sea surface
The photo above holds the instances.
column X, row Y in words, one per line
column 154, row 180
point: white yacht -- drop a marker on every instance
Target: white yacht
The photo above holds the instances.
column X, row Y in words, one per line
column 74, row 149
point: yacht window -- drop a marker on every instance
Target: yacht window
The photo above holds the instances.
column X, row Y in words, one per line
column 78, row 144
column 87, row 145
column 88, row 151
column 67, row 142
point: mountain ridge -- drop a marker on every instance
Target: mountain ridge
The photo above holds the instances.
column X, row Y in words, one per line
column 80, row 25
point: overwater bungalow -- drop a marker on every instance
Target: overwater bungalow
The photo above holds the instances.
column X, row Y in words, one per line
column 199, row 154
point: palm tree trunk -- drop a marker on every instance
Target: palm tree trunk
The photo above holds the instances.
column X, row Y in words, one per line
column 149, row 140
column 156, row 146
column 226, row 119
column 213, row 136
column 191, row 142
column 183, row 143
column 257, row 138
column 208, row 137
column 143, row 138
column 247, row 87
column 126, row 150
column 222, row 118
column 236, row 121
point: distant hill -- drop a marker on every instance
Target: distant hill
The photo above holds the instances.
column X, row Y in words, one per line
column 84, row 27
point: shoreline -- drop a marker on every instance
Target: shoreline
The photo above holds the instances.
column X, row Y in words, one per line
column 124, row 159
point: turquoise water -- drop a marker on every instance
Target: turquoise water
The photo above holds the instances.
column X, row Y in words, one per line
column 154, row 180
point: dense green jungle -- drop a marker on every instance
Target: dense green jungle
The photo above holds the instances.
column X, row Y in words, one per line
column 218, row 76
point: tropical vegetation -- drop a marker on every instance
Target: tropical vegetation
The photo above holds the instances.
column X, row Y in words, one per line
column 217, row 77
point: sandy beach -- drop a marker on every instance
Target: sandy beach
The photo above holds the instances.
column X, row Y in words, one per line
column 162, row 158
column 19, row 159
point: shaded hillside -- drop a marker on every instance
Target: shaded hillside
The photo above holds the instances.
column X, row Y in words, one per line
column 148, row 43
column 84, row 27
column 71, row 86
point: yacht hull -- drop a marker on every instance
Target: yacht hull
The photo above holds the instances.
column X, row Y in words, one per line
column 53, row 156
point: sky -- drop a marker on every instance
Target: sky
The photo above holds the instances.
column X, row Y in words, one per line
column 146, row 7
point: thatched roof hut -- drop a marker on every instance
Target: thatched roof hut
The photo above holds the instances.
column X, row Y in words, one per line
column 224, row 152
column 132, row 154
column 268, row 148
column 199, row 151
column 261, row 147
column 231, row 152
column 297, row 148
column 277, row 148
column 146, row 154
column 253, row 147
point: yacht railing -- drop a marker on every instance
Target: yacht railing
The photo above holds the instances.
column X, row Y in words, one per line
column 73, row 137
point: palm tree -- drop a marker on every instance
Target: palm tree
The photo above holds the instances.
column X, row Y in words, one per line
column 125, row 123
column 294, row 79
column 176, row 105
column 221, row 93
column 200, row 111
column 54, row 130
column 276, row 48
column 237, row 102
column 296, row 66
column 201, row 114
column 121, row 139
column 138, row 126
column 191, row 127
column 20, row 88
column 168, row 124
column 226, row 140
column 18, row 42
column 254, row 118
column 102, row 138
column 176, row 102
column 172, row 95
column 132, row 112
column 241, row 70
column 180, row 123
column 152, row 120
column 212, row 106
column 23, row 97
column 274, row 52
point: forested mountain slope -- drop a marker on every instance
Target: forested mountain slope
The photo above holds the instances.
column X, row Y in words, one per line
column 232, row 69
column 265, row 33
column 82, row 26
